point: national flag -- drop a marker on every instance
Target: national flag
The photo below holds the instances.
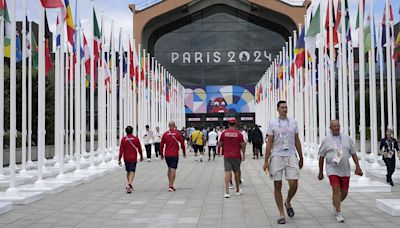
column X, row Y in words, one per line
column 34, row 52
column 28, row 35
column 59, row 30
column 7, row 30
column 396, row 53
column 358, row 14
column 49, row 64
column 367, row 35
column 70, row 23
column 52, row 3
column 86, row 55
column 311, row 34
column 347, row 21
column 167, row 89
column 300, row 50
column 96, row 37
column 335, row 35
column 47, row 33
column 18, row 48
column 384, row 24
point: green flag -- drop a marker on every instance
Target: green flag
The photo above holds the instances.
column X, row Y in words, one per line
column 34, row 52
column 314, row 28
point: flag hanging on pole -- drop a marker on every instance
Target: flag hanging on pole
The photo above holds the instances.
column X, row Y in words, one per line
column 367, row 35
column 396, row 52
column 7, row 29
column 52, row 3
column 18, row 48
column 96, row 37
column 27, row 49
column 86, row 56
column 59, row 30
column 70, row 23
column 300, row 49
column 49, row 64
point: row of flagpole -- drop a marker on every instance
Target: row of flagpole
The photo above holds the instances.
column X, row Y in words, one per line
column 137, row 92
column 316, row 82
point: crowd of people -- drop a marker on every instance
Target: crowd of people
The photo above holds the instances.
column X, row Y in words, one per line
column 283, row 155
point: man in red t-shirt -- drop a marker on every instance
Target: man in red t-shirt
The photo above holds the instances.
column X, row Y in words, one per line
column 128, row 148
column 232, row 143
column 171, row 140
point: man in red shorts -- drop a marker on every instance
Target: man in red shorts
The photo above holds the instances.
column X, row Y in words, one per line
column 337, row 150
column 171, row 140
column 232, row 144
column 129, row 147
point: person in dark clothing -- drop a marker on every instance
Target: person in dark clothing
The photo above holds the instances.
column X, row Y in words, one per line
column 257, row 140
column 388, row 149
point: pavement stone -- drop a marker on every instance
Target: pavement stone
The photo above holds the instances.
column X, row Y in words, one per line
column 198, row 201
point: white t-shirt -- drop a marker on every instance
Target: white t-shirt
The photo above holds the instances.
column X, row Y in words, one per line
column 284, row 132
column 157, row 137
column 148, row 137
column 212, row 138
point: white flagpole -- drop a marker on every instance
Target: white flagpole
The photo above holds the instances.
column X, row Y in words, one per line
column 113, row 96
column 344, row 69
column 71, row 107
column 321, row 83
column 135, row 90
column 148, row 106
column 41, row 98
column 30, row 94
column 388, row 67
column 66, row 94
column 331, row 62
column 61, row 105
column 101, row 118
column 362, row 85
column 92, row 84
column 23, row 157
column 139, row 112
column 1, row 93
column 56, row 103
column 352, row 95
column 373, row 106
column 392, row 40
column 13, row 97
column 121, row 115
column 381, row 82
column 78, row 99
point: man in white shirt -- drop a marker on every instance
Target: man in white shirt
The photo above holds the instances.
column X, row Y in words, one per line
column 212, row 143
column 280, row 155
column 147, row 141
column 157, row 141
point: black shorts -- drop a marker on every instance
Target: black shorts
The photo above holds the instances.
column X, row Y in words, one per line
column 130, row 166
column 172, row 162
column 232, row 164
column 214, row 148
column 197, row 148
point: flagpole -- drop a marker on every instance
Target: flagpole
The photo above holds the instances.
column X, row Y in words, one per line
column 393, row 82
column 92, row 130
column 78, row 98
column 321, row 83
column 120, row 89
column 388, row 67
column 30, row 94
column 331, row 62
column 71, row 107
column 136, row 87
column 23, row 157
column 66, row 94
column 1, row 94
column 381, row 82
column 61, row 130
column 114, row 96
column 101, row 103
column 41, row 98
column 56, row 100
column 362, row 85
column 344, row 68
column 373, row 106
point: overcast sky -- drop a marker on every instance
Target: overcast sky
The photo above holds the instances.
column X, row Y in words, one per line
column 118, row 11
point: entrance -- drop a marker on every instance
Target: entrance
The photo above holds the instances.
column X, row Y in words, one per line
column 213, row 120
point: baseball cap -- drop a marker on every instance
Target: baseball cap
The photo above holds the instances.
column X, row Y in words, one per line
column 232, row 121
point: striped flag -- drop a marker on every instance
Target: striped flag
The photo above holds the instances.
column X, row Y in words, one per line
column 70, row 23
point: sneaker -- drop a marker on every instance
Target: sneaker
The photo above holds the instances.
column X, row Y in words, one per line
column 128, row 190
column 201, row 160
column 226, row 195
column 170, row 189
column 173, row 188
column 231, row 186
column 239, row 192
column 195, row 159
column 339, row 217
column 148, row 160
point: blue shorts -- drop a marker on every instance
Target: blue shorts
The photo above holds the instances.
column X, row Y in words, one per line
column 172, row 162
column 130, row 166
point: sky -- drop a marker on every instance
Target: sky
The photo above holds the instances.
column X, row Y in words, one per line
column 118, row 11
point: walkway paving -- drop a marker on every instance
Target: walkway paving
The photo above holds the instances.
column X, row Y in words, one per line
column 198, row 202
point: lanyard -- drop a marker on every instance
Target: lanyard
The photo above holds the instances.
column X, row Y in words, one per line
column 284, row 130
column 340, row 143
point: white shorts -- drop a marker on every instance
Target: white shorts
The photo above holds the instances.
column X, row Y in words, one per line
column 289, row 164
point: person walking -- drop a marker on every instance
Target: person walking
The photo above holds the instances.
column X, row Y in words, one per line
column 190, row 130
column 257, row 140
column 212, row 144
column 157, row 141
column 148, row 141
column 232, row 144
column 128, row 149
column 197, row 140
column 170, row 142
column 280, row 156
column 388, row 149
column 336, row 150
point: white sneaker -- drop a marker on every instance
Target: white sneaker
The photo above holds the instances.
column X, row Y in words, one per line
column 239, row 192
column 195, row 159
column 231, row 186
column 339, row 217
column 226, row 195
column 148, row 160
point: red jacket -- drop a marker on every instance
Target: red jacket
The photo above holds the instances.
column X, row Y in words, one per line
column 170, row 140
column 128, row 150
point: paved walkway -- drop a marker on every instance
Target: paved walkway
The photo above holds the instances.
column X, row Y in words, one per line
column 198, row 202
